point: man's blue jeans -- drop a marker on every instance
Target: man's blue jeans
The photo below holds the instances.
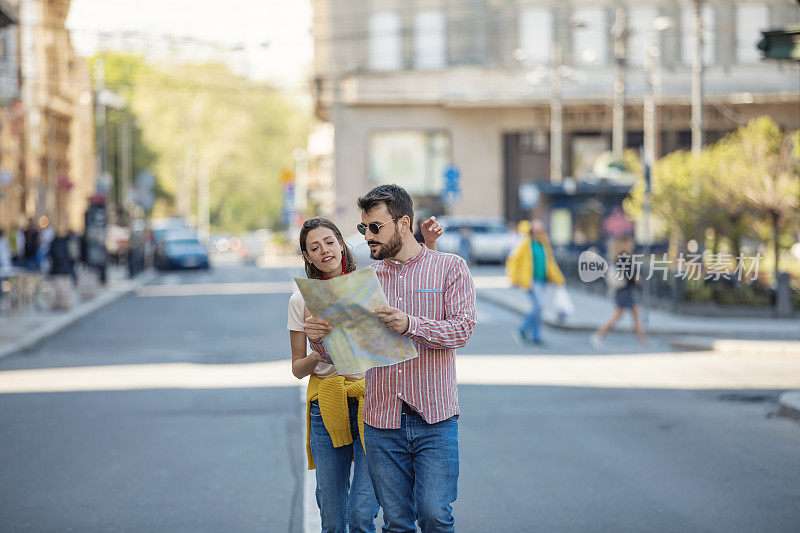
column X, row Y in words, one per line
column 337, row 498
column 531, row 327
column 414, row 470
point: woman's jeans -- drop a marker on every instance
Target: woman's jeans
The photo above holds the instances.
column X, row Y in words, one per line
column 341, row 502
column 531, row 327
column 415, row 473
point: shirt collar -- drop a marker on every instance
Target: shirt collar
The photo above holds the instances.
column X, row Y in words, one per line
column 397, row 264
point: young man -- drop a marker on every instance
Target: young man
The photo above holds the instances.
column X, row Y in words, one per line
column 411, row 408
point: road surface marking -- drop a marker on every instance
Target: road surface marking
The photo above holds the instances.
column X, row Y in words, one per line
column 695, row 370
column 217, row 289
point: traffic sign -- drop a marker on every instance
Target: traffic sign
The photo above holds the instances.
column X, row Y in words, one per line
column 451, row 179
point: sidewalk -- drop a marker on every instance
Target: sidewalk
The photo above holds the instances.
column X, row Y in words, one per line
column 769, row 337
column 21, row 332
column 592, row 310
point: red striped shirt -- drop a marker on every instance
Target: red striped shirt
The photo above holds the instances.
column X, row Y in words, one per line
column 436, row 291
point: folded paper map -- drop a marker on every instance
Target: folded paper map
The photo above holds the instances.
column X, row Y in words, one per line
column 359, row 340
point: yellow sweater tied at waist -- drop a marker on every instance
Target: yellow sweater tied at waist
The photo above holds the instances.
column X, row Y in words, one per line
column 332, row 394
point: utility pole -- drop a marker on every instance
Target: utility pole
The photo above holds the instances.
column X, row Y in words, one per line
column 124, row 142
column 653, row 76
column 698, row 118
column 300, row 157
column 620, row 33
column 203, row 202
column 556, row 116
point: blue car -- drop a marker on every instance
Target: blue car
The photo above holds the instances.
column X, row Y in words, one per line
column 183, row 253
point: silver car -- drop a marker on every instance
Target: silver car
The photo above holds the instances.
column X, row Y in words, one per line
column 483, row 239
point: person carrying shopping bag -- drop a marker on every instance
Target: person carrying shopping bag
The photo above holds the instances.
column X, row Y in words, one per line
column 531, row 266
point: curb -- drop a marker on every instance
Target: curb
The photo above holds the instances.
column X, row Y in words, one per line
column 61, row 322
column 522, row 309
column 790, row 404
column 757, row 348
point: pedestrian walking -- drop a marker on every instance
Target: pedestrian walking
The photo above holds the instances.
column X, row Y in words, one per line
column 31, row 246
column 531, row 266
column 6, row 264
column 626, row 276
column 61, row 271
column 335, row 432
column 46, row 237
column 411, row 409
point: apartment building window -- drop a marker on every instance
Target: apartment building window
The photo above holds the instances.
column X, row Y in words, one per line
column 640, row 32
column 590, row 37
column 750, row 20
column 536, row 35
column 709, row 34
column 385, row 46
column 414, row 159
column 429, row 40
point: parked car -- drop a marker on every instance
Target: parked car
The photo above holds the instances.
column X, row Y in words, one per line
column 488, row 238
column 183, row 253
column 163, row 235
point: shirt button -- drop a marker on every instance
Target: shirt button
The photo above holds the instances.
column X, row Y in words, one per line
column 399, row 371
column 400, row 299
column 399, row 394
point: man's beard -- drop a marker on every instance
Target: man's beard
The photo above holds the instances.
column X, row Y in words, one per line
column 388, row 250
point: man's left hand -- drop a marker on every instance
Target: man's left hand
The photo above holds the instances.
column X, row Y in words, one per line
column 431, row 230
column 395, row 320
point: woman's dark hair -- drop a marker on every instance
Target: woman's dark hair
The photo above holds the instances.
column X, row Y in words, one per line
column 398, row 202
column 320, row 222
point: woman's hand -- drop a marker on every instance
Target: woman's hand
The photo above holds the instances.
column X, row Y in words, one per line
column 316, row 328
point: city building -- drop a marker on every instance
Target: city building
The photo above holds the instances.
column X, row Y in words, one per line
column 10, row 117
column 413, row 88
column 56, row 175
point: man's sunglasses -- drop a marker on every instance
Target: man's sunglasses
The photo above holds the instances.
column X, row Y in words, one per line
column 373, row 227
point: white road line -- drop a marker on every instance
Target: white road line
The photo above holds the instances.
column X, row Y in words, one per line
column 693, row 370
column 311, row 518
column 217, row 289
column 491, row 282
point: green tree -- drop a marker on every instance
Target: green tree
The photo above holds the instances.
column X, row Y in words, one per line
column 121, row 73
column 747, row 184
column 205, row 119
column 768, row 157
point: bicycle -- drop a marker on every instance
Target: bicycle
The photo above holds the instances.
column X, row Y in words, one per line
column 24, row 290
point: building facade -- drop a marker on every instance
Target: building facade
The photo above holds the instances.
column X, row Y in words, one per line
column 10, row 117
column 414, row 87
column 47, row 129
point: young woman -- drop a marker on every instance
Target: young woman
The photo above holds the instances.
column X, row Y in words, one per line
column 624, row 296
column 334, row 432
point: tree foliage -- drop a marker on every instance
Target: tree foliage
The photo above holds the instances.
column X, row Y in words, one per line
column 746, row 185
column 203, row 118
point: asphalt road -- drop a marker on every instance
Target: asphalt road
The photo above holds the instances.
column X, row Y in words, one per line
column 541, row 458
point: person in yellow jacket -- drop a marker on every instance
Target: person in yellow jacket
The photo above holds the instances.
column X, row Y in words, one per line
column 334, row 403
column 531, row 266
